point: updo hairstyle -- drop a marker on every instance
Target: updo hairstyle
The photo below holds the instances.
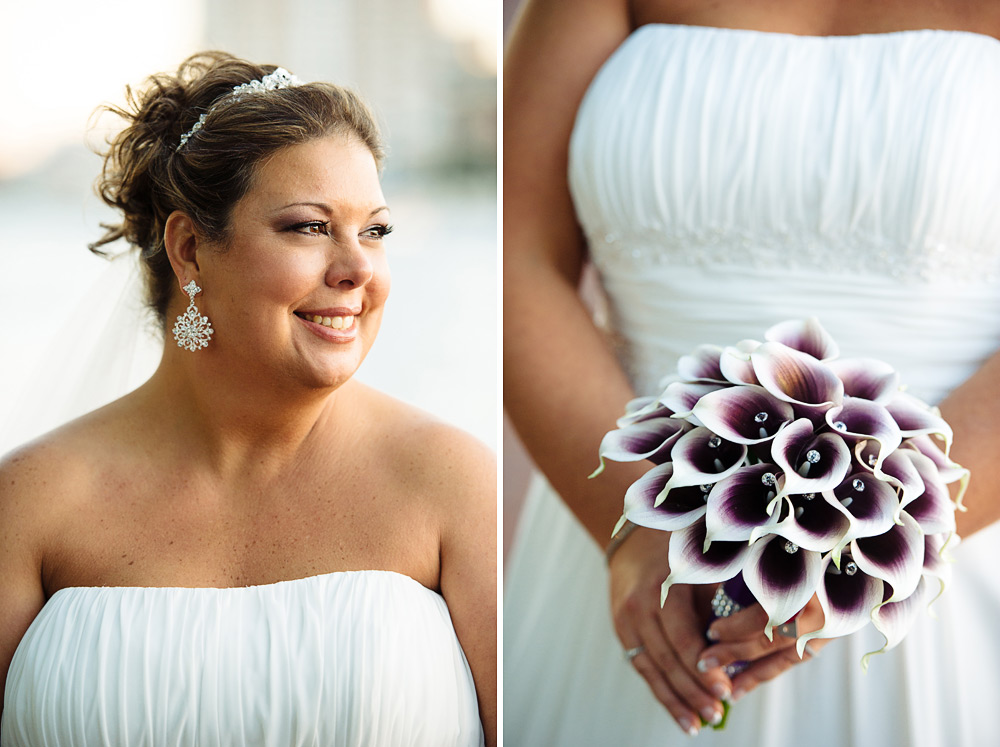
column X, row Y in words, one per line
column 147, row 177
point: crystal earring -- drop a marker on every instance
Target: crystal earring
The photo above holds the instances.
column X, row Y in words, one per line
column 192, row 330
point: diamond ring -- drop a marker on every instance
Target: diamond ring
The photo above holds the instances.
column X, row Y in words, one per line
column 634, row 652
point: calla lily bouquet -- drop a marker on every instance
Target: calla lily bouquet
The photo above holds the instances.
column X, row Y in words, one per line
column 805, row 473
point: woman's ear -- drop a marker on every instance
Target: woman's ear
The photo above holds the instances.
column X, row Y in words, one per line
column 180, row 240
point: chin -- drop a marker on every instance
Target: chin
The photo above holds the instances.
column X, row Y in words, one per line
column 331, row 376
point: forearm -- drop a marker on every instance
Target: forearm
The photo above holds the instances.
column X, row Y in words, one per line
column 563, row 390
column 973, row 411
column 563, row 387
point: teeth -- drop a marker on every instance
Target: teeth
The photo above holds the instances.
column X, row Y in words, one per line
column 334, row 322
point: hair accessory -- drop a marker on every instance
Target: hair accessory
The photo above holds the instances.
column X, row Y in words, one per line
column 192, row 330
column 280, row 78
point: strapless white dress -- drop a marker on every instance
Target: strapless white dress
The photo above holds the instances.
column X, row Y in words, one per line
column 345, row 659
column 727, row 180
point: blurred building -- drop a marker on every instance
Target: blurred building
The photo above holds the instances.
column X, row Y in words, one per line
column 427, row 66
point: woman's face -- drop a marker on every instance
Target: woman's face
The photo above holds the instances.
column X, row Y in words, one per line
column 298, row 291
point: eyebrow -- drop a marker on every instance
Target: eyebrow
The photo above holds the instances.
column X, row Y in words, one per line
column 326, row 208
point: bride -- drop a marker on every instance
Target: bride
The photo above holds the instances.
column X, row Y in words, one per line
column 727, row 166
column 252, row 547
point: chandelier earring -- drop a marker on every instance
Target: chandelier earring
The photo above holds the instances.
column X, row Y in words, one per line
column 192, row 330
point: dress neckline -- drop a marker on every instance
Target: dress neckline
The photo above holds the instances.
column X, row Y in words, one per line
column 895, row 34
column 250, row 587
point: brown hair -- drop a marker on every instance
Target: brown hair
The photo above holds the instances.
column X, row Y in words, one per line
column 147, row 177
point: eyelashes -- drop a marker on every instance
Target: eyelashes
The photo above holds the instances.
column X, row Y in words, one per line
column 377, row 231
column 311, row 227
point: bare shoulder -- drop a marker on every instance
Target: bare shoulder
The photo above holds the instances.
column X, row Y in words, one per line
column 46, row 479
column 426, row 446
column 35, row 476
column 435, row 456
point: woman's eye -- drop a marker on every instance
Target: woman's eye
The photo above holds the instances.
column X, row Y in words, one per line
column 311, row 228
column 378, row 231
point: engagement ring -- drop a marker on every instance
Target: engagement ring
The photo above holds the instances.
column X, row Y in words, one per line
column 634, row 652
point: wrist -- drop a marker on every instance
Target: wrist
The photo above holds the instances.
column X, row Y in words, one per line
column 617, row 539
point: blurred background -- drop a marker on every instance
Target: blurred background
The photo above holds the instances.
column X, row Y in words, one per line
column 428, row 67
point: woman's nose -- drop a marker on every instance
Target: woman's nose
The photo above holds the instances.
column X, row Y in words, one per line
column 350, row 266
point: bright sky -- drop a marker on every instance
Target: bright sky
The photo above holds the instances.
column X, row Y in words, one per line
column 474, row 21
column 61, row 58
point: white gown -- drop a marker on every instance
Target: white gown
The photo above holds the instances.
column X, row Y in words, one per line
column 727, row 180
column 339, row 660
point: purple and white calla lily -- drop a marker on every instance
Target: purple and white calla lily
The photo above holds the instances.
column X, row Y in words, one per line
column 701, row 457
column 948, row 470
column 782, row 578
column 870, row 505
column 916, row 418
column 679, row 509
column 811, row 463
column 859, row 419
column 867, row 378
column 797, row 378
column 896, row 556
column 702, row 364
column 691, row 564
column 682, row 396
column 738, row 504
column 847, row 597
column 743, row 414
column 809, row 521
column 805, row 335
column 642, row 408
column 650, row 439
column 897, row 470
column 735, row 362
column 933, row 508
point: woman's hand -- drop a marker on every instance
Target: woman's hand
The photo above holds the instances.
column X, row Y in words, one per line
column 687, row 677
column 740, row 637
column 672, row 637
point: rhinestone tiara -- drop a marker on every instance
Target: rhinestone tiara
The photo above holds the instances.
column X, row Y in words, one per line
column 280, row 78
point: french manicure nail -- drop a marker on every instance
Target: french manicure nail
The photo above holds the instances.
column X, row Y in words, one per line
column 720, row 691
column 737, row 694
column 711, row 715
column 709, row 662
column 712, row 634
column 689, row 727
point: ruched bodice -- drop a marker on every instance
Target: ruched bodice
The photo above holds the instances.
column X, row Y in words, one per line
column 356, row 658
column 796, row 175
column 727, row 180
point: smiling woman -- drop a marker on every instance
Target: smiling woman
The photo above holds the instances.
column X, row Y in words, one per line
column 305, row 252
column 252, row 547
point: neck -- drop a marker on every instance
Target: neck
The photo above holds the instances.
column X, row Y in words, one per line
column 236, row 425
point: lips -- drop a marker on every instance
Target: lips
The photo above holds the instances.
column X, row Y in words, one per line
column 333, row 322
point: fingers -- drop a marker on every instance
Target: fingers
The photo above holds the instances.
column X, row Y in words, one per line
column 673, row 648
column 740, row 625
column 741, row 636
column 769, row 667
column 635, row 573
column 684, row 716
column 687, row 638
column 688, row 695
